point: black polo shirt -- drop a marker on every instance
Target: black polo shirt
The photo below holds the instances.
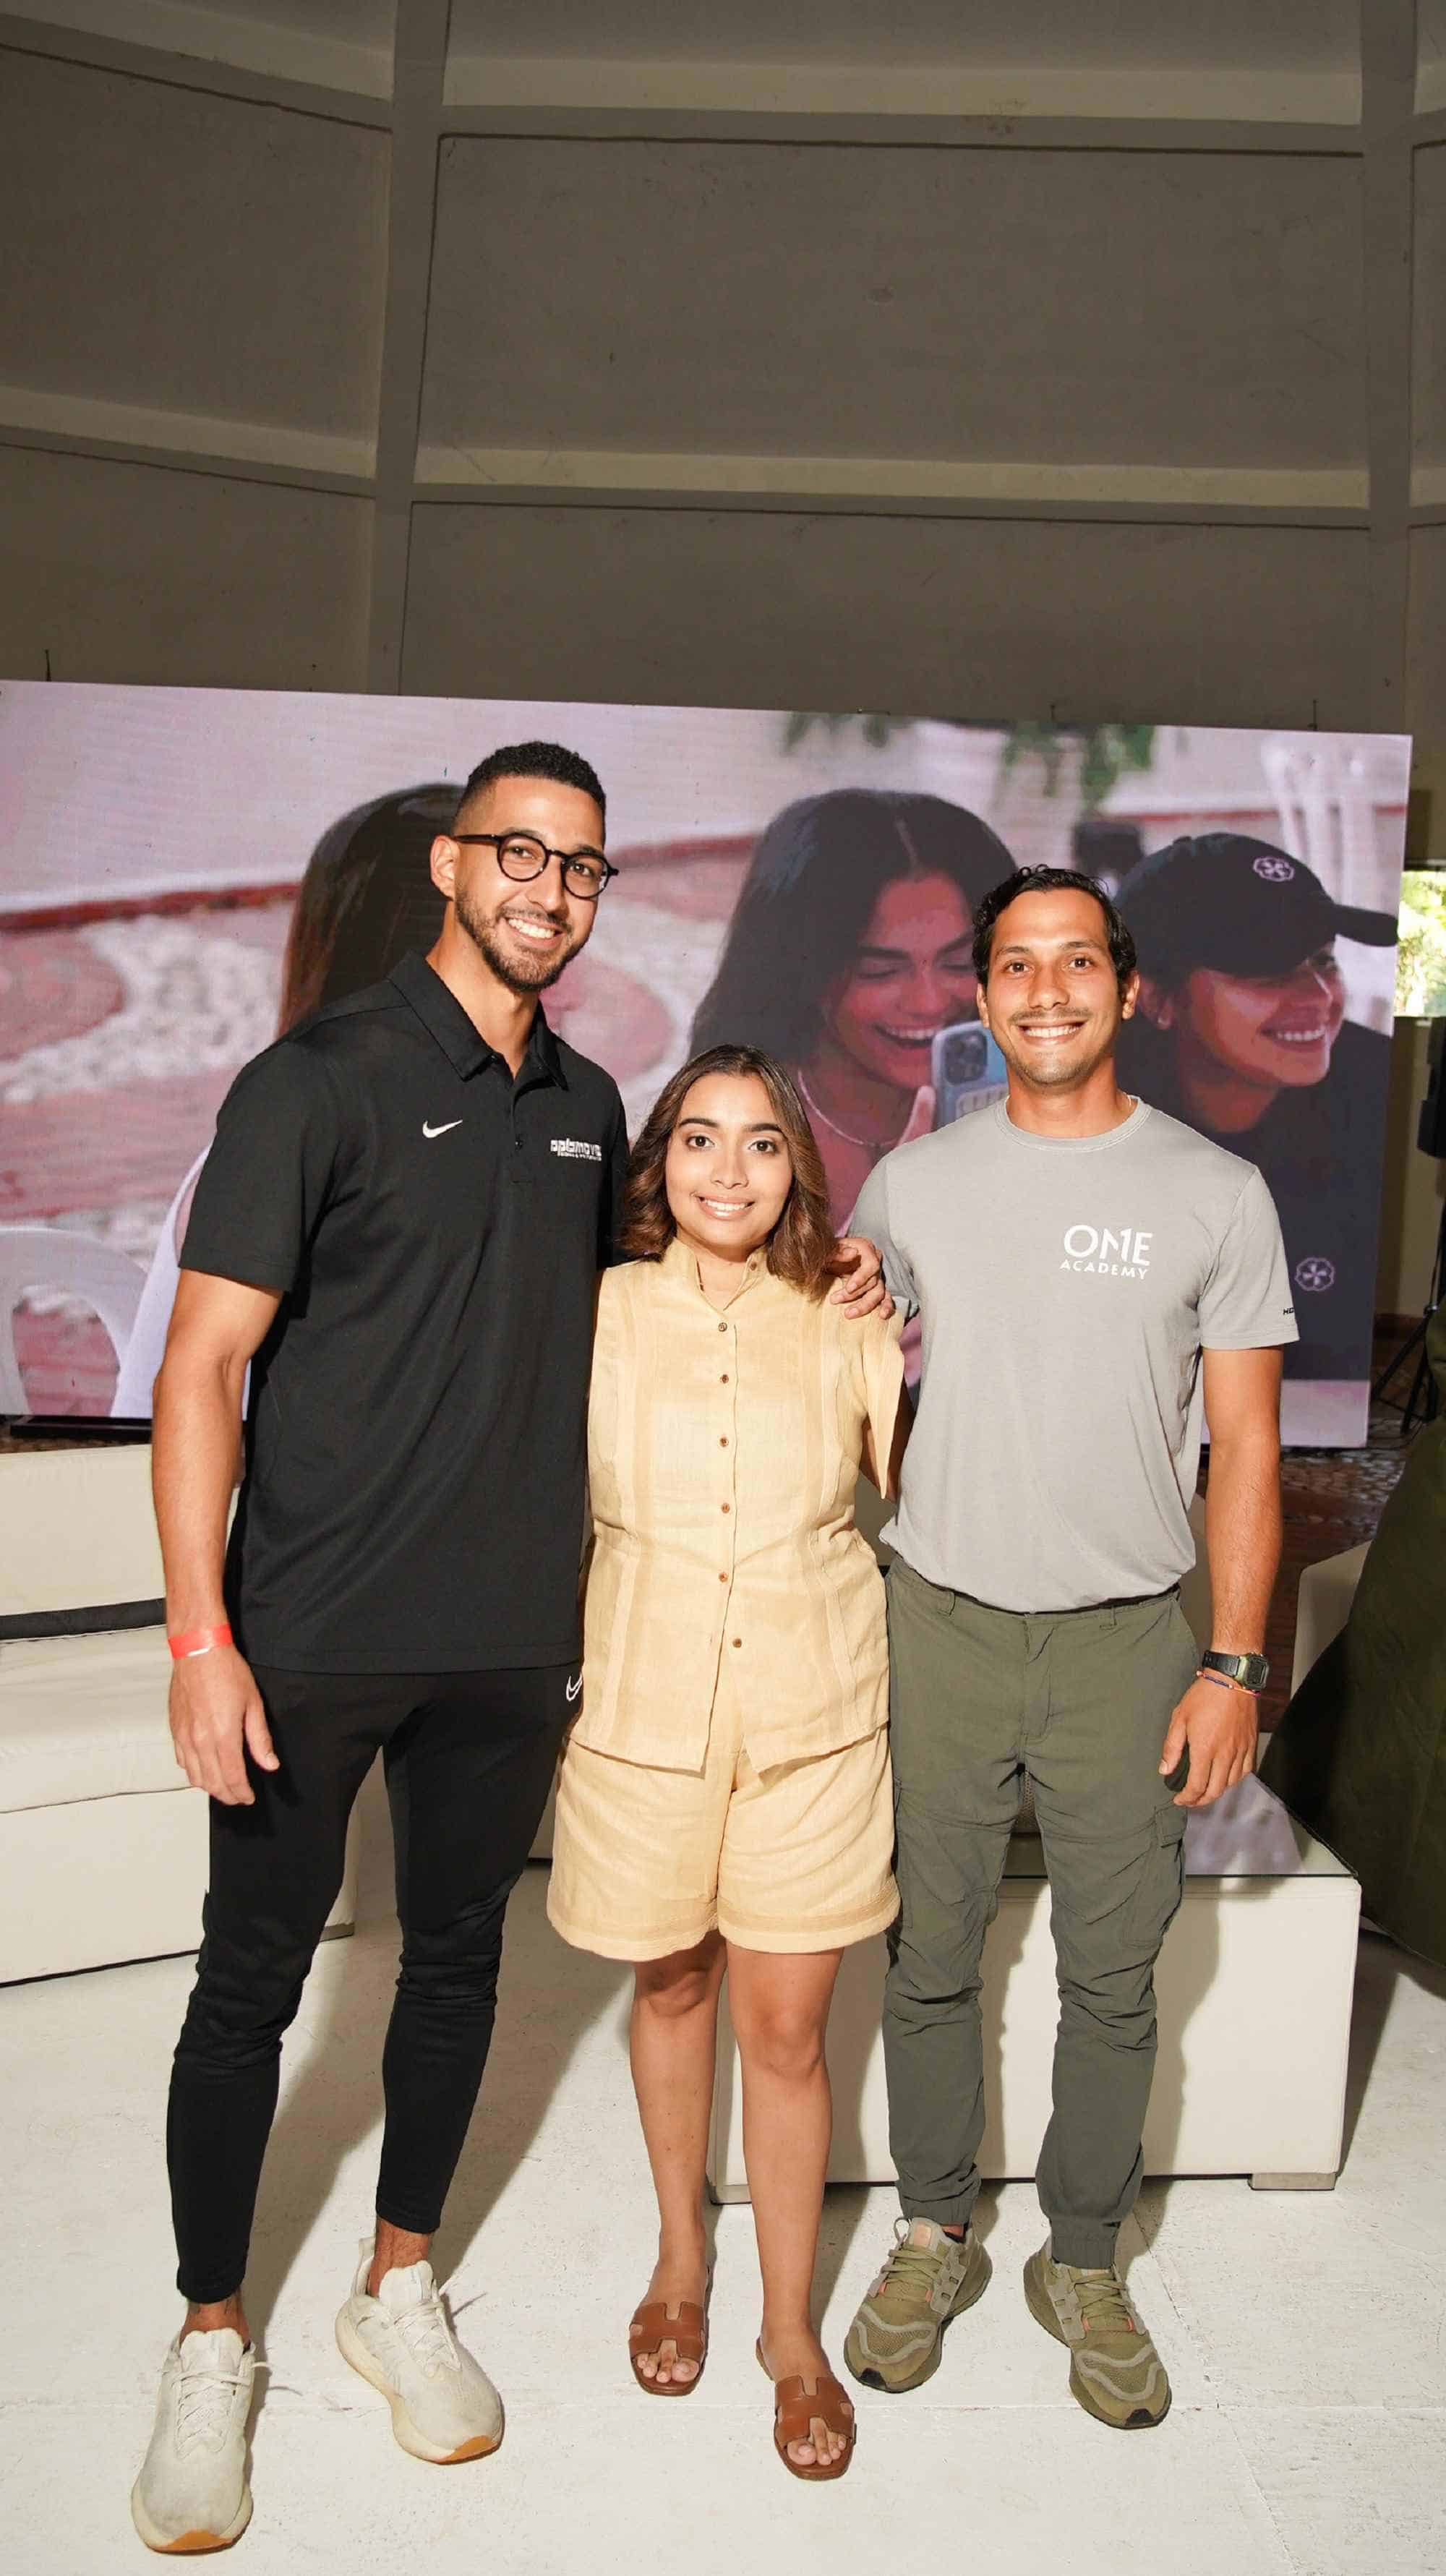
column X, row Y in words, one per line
column 415, row 1439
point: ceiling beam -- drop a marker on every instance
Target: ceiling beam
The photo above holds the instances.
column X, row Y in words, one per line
column 1388, row 98
column 944, row 132
column 420, row 70
column 190, row 71
column 184, row 460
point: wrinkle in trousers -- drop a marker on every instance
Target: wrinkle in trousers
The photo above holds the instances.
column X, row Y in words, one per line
column 469, row 1760
column 1077, row 1703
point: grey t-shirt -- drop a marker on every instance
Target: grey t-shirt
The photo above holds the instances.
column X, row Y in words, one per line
column 1066, row 1288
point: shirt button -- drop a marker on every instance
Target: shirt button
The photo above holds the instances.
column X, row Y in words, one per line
column 728, row 1507
column 737, row 1641
column 723, row 1442
column 722, row 1328
column 724, row 1378
column 722, row 1578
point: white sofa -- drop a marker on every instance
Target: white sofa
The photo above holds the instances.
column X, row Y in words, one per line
column 1323, row 1605
column 103, row 1847
column 1255, row 1987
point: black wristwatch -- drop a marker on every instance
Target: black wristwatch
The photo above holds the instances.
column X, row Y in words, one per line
column 1252, row 1672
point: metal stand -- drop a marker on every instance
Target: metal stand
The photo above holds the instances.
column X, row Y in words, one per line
column 1421, row 1403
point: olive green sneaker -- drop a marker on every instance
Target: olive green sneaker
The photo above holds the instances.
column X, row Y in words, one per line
column 896, row 2339
column 1115, row 2372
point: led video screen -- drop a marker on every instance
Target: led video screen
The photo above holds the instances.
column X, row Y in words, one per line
column 184, row 872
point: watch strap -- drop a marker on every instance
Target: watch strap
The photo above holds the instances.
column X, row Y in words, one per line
column 1250, row 1672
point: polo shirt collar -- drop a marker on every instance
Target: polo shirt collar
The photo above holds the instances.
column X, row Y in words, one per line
column 543, row 1049
column 463, row 1044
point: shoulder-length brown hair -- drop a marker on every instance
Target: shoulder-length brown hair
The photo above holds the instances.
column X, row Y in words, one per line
column 802, row 1246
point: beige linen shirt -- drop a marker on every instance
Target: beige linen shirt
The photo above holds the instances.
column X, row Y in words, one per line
column 723, row 1451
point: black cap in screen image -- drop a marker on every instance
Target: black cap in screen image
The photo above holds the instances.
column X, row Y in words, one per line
column 1239, row 906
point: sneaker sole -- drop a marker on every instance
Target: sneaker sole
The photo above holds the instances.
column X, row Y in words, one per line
column 354, row 2351
column 189, row 2544
column 1041, row 2308
column 870, row 2376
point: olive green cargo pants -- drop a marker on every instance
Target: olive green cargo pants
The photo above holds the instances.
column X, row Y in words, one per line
column 1077, row 1703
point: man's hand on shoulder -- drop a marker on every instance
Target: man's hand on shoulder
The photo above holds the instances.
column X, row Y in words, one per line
column 217, row 1718
column 1215, row 1723
column 860, row 1289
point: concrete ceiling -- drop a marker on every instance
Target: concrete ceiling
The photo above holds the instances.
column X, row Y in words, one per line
column 756, row 298
column 665, row 282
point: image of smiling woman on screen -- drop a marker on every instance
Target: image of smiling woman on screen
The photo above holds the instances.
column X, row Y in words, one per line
column 366, row 898
column 848, row 951
column 1243, row 1032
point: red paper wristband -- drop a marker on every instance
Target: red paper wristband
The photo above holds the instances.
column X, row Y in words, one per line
column 197, row 1641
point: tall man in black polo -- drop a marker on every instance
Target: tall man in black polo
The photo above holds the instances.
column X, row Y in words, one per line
column 399, row 1229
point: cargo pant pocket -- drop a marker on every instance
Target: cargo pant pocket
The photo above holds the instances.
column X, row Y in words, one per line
column 1161, row 1882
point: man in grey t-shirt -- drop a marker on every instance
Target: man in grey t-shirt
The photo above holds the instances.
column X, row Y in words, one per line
column 1089, row 1276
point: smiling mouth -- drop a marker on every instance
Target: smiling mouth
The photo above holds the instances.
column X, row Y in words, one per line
column 1051, row 1031
column 907, row 1037
column 1297, row 1036
column 725, row 1207
column 537, row 933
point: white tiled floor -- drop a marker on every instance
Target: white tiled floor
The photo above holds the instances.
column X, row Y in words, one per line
column 1304, row 2333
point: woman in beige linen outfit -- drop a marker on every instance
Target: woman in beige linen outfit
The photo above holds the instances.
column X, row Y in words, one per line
column 725, row 1798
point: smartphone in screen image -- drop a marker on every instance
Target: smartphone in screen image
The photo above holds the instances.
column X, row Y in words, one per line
column 967, row 1071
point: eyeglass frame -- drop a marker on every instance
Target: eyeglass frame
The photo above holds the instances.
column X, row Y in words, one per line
column 564, row 858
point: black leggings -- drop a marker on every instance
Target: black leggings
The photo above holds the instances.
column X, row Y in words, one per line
column 469, row 1760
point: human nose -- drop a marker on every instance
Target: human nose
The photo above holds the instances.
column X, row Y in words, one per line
column 1046, row 986
column 552, row 884
column 726, row 1168
column 930, row 997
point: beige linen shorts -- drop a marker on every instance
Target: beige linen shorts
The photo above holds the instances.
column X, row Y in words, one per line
column 798, row 1857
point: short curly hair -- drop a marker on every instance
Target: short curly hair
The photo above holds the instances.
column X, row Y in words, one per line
column 1052, row 881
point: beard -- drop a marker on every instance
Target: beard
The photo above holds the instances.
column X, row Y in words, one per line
column 521, row 975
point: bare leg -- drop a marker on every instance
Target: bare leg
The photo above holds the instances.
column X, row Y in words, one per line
column 397, row 2248
column 780, row 2007
column 671, row 2044
column 213, row 2313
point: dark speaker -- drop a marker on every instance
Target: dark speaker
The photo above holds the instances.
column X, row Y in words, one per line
column 1431, row 1133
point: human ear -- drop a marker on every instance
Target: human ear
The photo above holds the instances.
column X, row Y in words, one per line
column 444, row 865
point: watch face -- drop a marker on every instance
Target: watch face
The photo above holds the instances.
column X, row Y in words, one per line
column 1251, row 1671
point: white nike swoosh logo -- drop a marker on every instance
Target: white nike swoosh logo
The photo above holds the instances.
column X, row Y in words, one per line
column 574, row 1687
column 440, row 1131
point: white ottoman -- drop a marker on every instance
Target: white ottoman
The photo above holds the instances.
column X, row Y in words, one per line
column 103, row 1847
column 1254, row 1985
column 1323, row 1605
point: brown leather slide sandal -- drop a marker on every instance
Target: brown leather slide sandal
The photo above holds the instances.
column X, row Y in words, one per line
column 796, row 2409
column 684, row 2327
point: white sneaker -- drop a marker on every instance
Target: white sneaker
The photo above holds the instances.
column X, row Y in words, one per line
column 444, row 2406
column 192, row 2492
